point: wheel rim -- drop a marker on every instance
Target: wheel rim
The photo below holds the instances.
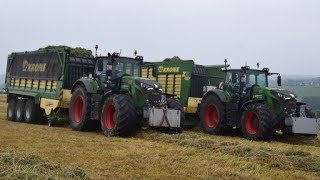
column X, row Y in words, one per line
column 78, row 109
column 252, row 123
column 108, row 117
column 212, row 116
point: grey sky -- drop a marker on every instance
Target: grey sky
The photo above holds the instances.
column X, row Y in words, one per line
column 281, row 34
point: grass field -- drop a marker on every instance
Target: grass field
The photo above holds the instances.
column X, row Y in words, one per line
column 41, row 152
column 303, row 91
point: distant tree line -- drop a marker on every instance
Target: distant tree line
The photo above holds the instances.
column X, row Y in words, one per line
column 312, row 82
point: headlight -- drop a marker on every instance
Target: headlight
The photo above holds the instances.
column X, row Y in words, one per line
column 284, row 96
column 146, row 86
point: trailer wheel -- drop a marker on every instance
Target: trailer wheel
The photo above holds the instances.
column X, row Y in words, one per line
column 212, row 115
column 31, row 111
column 174, row 104
column 258, row 122
column 11, row 109
column 118, row 117
column 19, row 113
column 80, row 109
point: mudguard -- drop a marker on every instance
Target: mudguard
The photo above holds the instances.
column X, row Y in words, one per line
column 90, row 84
column 217, row 92
column 249, row 102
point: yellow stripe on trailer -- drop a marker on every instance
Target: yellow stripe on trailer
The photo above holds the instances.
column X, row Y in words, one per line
column 49, row 105
column 66, row 98
column 193, row 104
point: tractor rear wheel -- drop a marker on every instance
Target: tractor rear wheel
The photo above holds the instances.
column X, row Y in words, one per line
column 31, row 111
column 11, row 109
column 258, row 122
column 19, row 113
column 80, row 109
column 118, row 117
column 175, row 104
column 212, row 115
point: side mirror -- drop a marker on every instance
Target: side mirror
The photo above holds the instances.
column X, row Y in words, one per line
column 100, row 65
column 154, row 71
column 279, row 80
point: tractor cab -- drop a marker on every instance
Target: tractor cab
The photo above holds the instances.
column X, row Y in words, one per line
column 109, row 69
column 240, row 83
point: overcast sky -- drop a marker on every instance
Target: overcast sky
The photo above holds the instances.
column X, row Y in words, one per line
column 281, row 34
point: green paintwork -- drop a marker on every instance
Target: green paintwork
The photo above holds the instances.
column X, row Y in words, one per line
column 259, row 93
column 129, row 84
column 215, row 70
column 264, row 94
column 185, row 68
column 38, row 93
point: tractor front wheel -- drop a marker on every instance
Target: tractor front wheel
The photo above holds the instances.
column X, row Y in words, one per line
column 80, row 109
column 258, row 122
column 212, row 115
column 118, row 117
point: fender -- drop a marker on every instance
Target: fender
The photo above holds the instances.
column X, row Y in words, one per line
column 217, row 92
column 111, row 92
column 250, row 102
column 90, row 84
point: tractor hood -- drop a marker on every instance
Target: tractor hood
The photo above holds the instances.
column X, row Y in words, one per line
column 150, row 90
column 283, row 93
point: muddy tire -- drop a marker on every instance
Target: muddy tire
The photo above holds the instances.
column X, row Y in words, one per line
column 258, row 122
column 118, row 117
column 175, row 104
column 80, row 109
column 212, row 115
column 31, row 112
column 19, row 113
column 11, row 109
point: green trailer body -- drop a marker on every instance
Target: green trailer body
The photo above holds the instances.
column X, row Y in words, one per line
column 186, row 81
column 174, row 77
column 217, row 73
column 45, row 76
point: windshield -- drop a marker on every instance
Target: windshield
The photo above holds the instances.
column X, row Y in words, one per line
column 250, row 77
column 126, row 66
column 256, row 78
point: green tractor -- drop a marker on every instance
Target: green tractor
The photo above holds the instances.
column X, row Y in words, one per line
column 244, row 100
column 118, row 99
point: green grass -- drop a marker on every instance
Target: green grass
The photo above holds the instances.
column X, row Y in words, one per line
column 302, row 91
column 15, row 165
column 63, row 153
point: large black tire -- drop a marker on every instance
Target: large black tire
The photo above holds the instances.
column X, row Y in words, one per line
column 175, row 104
column 11, row 109
column 258, row 122
column 118, row 117
column 31, row 112
column 19, row 113
column 212, row 115
column 80, row 109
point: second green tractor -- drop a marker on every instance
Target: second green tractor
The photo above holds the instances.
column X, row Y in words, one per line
column 223, row 99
